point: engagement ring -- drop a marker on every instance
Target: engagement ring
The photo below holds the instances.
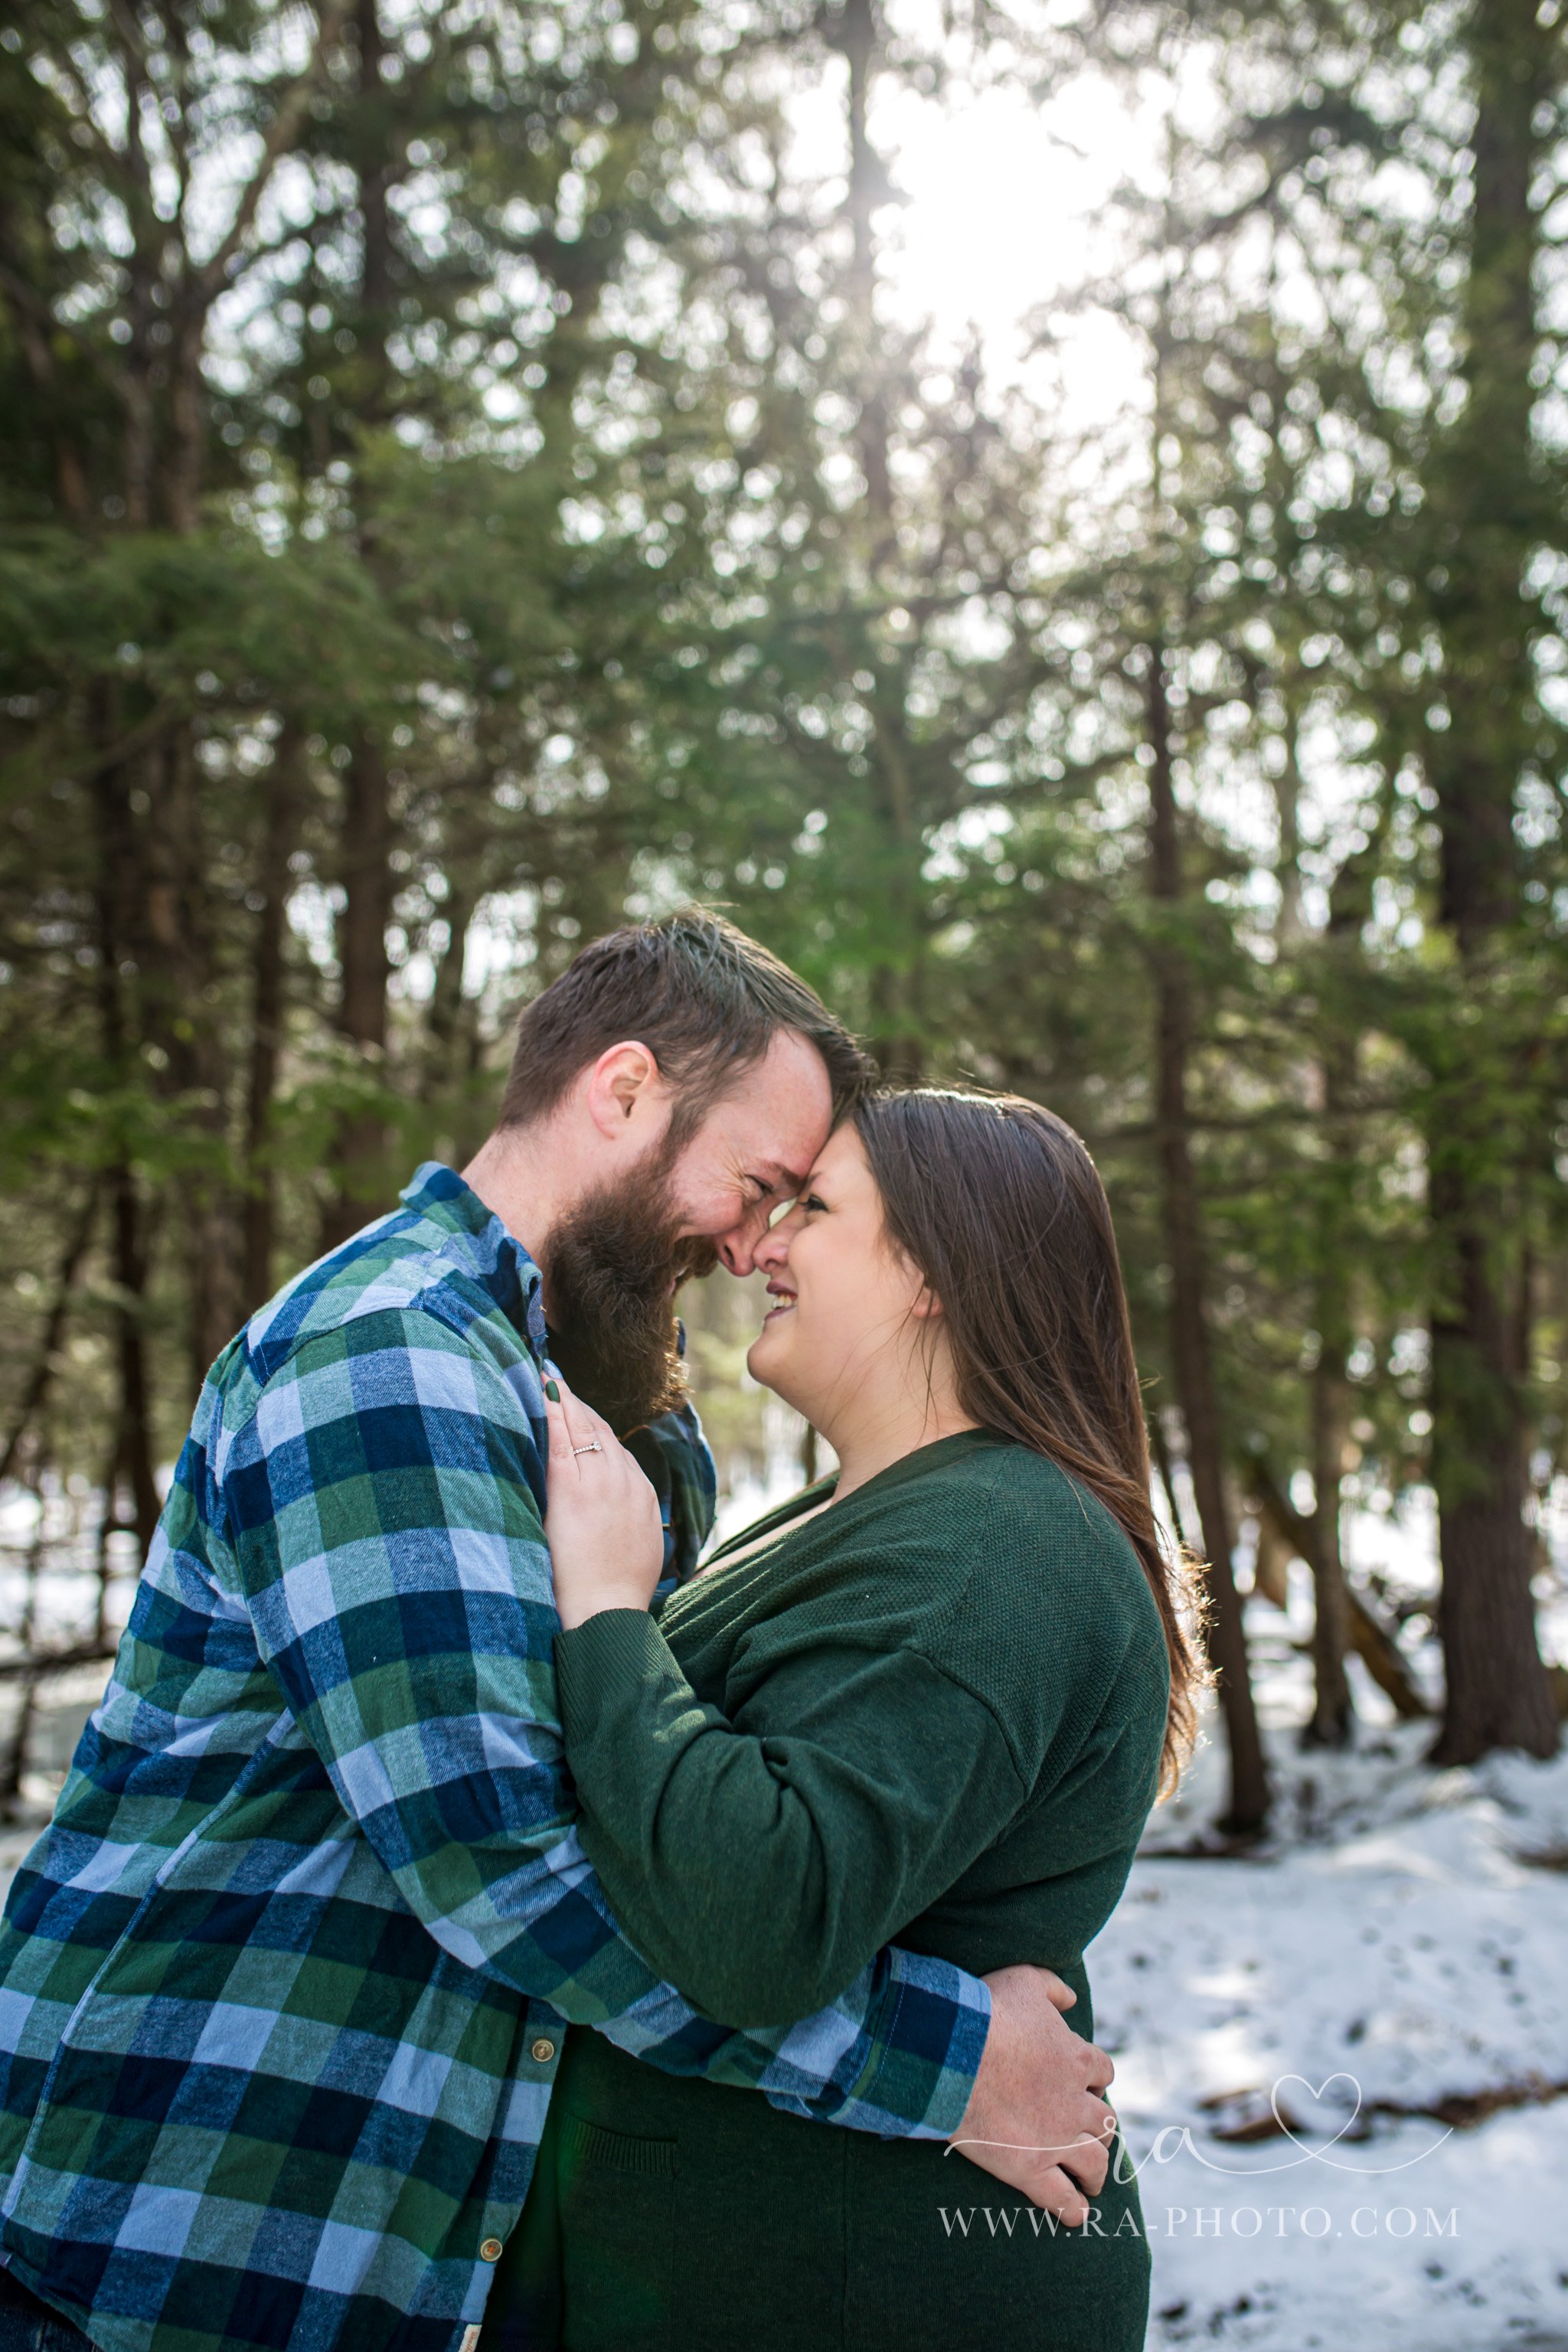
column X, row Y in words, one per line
column 594, row 1448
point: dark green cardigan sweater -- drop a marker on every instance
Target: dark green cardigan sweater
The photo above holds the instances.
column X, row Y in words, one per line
column 932, row 1714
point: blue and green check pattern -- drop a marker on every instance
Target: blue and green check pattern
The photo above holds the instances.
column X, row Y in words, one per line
column 282, row 1986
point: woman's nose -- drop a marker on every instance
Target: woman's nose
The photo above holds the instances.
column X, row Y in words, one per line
column 772, row 1250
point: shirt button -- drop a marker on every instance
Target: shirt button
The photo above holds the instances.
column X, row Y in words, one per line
column 542, row 2051
column 491, row 2250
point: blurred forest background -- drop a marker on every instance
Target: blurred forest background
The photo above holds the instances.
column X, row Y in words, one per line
column 462, row 481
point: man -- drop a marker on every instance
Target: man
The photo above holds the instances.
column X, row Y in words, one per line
column 282, row 1987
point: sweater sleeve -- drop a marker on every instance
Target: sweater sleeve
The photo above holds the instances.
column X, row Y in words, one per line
column 762, row 1863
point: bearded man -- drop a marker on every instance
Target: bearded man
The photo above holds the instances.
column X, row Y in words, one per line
column 284, row 1984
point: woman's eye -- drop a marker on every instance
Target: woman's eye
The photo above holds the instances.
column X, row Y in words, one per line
column 810, row 1200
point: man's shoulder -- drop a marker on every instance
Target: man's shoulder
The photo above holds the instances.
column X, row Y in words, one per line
column 415, row 1302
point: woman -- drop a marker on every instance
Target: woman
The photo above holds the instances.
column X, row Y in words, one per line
column 931, row 1698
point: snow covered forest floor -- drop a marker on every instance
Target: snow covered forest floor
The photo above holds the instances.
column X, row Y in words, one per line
column 1342, row 2062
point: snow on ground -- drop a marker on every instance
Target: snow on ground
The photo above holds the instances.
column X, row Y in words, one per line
column 1401, row 1945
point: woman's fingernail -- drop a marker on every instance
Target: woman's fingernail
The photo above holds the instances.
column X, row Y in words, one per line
column 552, row 1391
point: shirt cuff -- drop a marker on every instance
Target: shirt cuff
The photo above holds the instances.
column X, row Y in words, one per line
column 927, row 2057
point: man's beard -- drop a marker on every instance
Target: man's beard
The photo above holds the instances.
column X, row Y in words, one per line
column 611, row 1273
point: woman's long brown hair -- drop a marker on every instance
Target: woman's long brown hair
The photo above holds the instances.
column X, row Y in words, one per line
column 999, row 1206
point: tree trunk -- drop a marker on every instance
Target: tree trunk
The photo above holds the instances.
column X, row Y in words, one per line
column 366, row 842
column 179, row 991
column 34, row 1393
column 178, row 981
column 138, row 427
column 1333, row 1720
column 896, row 985
column 124, row 950
column 130, row 1286
column 34, row 323
column 1499, row 1693
column 13, row 1757
column 1332, row 1723
column 110, row 1524
column 365, row 876
column 188, row 421
column 1484, row 511
column 279, row 834
column 449, row 1013
column 1372, row 1644
column 1164, row 1462
column 1191, row 1349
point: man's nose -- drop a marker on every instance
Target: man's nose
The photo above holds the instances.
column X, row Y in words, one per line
column 743, row 1248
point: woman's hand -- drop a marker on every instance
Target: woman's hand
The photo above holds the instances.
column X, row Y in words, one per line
column 603, row 1524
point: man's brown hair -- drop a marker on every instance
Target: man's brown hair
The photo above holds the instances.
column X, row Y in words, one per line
column 703, row 998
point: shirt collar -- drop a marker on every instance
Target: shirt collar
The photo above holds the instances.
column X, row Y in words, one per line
column 439, row 1195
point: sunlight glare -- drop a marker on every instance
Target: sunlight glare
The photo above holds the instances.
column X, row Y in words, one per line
column 1002, row 204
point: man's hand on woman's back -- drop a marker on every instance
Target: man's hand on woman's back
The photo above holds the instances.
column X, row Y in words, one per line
column 1036, row 2118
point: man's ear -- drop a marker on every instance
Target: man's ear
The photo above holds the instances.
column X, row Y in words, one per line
column 625, row 1079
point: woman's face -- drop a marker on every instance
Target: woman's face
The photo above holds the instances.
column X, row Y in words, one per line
column 847, row 1303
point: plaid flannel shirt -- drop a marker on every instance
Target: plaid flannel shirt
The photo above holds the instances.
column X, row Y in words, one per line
column 282, row 1985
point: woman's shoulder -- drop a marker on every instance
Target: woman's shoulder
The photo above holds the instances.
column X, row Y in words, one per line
column 1046, row 1581
column 984, row 1529
column 1035, row 1497
column 1027, row 1500
column 1053, row 1624
column 1046, row 1531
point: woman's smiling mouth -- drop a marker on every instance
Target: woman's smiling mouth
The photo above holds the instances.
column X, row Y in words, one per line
column 786, row 1299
